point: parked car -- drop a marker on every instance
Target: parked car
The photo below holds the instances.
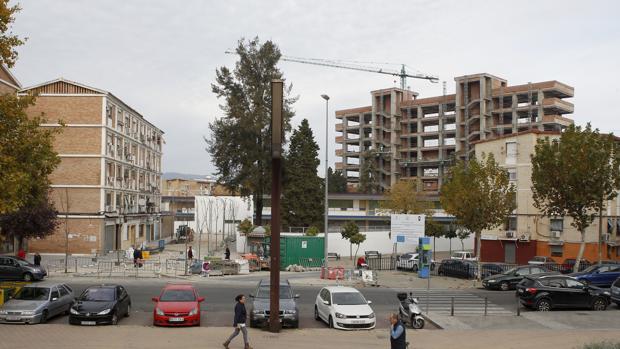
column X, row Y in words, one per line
column 601, row 276
column 13, row 268
column 569, row 264
column 333, row 255
column 177, row 305
column 344, row 308
column 463, row 255
column 467, row 269
column 509, row 279
column 615, row 292
column 547, row 292
column 372, row 254
column 541, row 260
column 259, row 309
column 409, row 261
column 103, row 304
column 37, row 303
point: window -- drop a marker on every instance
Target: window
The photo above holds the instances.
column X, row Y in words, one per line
column 63, row 292
column 512, row 174
column 55, row 293
column 511, row 224
column 556, row 224
column 570, row 283
column 511, row 153
column 610, row 226
column 67, row 287
column 557, row 251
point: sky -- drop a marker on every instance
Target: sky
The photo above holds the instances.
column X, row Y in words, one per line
column 160, row 57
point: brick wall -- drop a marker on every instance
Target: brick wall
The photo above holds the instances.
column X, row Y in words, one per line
column 77, row 171
column 78, row 140
column 71, row 110
column 81, row 200
column 85, row 236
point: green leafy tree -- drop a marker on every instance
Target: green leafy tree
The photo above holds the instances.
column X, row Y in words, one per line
column 574, row 175
column 348, row 231
column 35, row 219
column 357, row 239
column 302, row 202
column 463, row 234
column 479, row 195
column 8, row 41
column 337, row 182
column 240, row 145
column 27, row 155
column 312, row 231
column 434, row 229
column 403, row 198
column 245, row 228
column 369, row 182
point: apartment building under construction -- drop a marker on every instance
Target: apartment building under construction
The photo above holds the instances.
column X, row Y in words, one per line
column 416, row 138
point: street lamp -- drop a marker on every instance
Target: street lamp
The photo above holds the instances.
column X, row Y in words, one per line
column 326, row 98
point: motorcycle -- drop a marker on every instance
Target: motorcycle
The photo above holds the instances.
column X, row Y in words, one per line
column 409, row 312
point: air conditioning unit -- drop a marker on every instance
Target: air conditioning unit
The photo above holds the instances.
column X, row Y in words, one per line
column 524, row 237
column 556, row 234
column 510, row 234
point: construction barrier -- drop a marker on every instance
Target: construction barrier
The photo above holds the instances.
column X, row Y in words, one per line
column 9, row 289
column 332, row 273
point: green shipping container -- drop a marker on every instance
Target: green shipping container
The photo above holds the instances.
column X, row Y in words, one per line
column 301, row 250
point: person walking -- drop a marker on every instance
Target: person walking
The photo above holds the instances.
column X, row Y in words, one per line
column 37, row 259
column 190, row 255
column 239, row 322
column 136, row 257
column 227, row 254
column 398, row 337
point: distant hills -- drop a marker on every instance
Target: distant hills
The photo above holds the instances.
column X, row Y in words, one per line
column 171, row 175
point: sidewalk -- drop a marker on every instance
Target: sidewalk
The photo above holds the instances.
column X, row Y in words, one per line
column 70, row 337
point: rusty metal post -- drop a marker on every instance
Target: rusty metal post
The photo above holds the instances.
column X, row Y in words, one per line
column 277, row 137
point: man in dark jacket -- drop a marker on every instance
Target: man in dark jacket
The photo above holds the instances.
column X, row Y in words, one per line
column 37, row 259
column 136, row 256
column 398, row 337
column 239, row 322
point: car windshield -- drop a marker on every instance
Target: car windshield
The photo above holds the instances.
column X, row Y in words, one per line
column 263, row 292
column 510, row 271
column 33, row 294
column 591, row 268
column 348, row 298
column 173, row 295
column 98, row 294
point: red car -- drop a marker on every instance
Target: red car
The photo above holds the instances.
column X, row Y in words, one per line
column 177, row 305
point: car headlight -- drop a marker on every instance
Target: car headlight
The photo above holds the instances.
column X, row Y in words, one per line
column 104, row 312
column 74, row 312
column 159, row 312
column 340, row 316
column 371, row 316
column 492, row 281
column 606, row 293
column 28, row 312
column 193, row 312
column 3, row 312
column 290, row 311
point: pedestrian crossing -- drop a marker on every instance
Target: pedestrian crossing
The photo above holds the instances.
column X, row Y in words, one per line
column 465, row 303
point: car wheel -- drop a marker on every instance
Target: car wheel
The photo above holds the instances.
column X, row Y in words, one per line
column 331, row 322
column 316, row 314
column 440, row 273
column 504, row 286
column 599, row 304
column 128, row 310
column 114, row 319
column 28, row 277
column 44, row 316
column 543, row 305
column 415, row 268
column 252, row 324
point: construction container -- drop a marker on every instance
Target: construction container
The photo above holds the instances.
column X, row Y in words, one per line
column 301, row 250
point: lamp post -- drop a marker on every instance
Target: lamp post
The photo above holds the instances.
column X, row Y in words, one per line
column 326, row 98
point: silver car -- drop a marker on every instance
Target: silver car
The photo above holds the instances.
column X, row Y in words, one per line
column 36, row 303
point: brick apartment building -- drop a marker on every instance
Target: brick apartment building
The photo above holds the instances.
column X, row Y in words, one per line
column 416, row 138
column 527, row 233
column 109, row 178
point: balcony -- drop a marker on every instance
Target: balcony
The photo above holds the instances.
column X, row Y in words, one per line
column 339, row 127
column 339, row 139
column 558, row 106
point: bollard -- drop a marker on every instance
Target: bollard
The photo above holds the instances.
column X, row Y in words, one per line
column 452, row 307
column 486, row 305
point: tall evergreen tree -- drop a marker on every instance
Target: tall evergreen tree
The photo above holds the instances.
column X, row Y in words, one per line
column 240, row 141
column 303, row 201
column 368, row 173
column 337, row 181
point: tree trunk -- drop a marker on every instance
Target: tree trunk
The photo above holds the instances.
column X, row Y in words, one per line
column 450, row 240
column 582, row 247
column 350, row 250
column 478, row 257
column 600, row 232
column 258, row 209
column 434, row 248
column 355, row 259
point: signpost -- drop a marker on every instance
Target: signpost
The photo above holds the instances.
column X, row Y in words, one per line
column 407, row 228
column 277, row 137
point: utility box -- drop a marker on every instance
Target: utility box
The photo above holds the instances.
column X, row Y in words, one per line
column 307, row 251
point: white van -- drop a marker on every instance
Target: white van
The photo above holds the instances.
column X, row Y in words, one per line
column 463, row 255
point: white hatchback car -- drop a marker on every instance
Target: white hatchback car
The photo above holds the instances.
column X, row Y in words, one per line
column 344, row 308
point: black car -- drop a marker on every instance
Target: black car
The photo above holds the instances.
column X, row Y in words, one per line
column 103, row 304
column 259, row 313
column 467, row 269
column 509, row 279
column 546, row 292
column 13, row 268
column 615, row 292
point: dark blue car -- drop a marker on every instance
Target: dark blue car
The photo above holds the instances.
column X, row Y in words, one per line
column 602, row 276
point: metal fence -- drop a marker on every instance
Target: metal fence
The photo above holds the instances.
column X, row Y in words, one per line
column 311, row 262
column 381, row 263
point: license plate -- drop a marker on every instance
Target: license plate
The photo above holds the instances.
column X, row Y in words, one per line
column 88, row 323
column 13, row 318
column 357, row 322
column 176, row 319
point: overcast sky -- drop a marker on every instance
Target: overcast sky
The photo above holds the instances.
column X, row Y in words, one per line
column 160, row 56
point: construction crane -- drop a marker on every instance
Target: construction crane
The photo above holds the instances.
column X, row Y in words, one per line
column 402, row 74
